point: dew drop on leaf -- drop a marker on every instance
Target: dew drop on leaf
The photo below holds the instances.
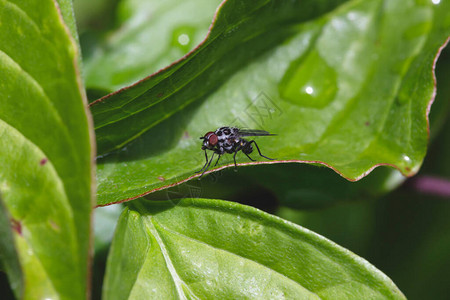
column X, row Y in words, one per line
column 182, row 38
column 309, row 82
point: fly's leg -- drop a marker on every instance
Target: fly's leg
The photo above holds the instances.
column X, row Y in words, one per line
column 234, row 157
column 250, row 157
column 212, row 156
column 236, row 150
column 259, row 151
column 218, row 160
column 206, row 157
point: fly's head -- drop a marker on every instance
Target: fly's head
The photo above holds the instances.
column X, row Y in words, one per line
column 209, row 140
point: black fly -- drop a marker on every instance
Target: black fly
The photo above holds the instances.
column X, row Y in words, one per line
column 229, row 140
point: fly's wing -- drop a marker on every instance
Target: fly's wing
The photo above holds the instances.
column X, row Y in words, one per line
column 253, row 132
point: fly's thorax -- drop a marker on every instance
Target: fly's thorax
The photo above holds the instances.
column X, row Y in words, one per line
column 223, row 131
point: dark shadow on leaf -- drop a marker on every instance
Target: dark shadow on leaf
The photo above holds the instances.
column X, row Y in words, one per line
column 151, row 207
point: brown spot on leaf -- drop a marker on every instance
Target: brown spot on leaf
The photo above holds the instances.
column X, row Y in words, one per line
column 186, row 135
column 367, row 123
column 16, row 226
column 53, row 225
column 43, row 161
column 160, row 95
column 161, row 178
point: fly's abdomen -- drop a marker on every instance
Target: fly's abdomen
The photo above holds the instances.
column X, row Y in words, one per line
column 247, row 147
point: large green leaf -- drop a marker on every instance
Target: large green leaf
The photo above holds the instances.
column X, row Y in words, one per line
column 46, row 155
column 208, row 248
column 350, row 89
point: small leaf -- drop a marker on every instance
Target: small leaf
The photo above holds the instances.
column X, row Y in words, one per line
column 198, row 248
column 350, row 89
column 46, row 153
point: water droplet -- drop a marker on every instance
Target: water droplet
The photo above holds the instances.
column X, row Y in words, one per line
column 182, row 38
column 309, row 82
column 407, row 163
column 406, row 159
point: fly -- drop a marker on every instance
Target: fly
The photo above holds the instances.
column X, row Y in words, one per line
column 230, row 140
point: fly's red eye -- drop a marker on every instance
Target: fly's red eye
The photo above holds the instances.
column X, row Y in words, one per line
column 207, row 135
column 213, row 139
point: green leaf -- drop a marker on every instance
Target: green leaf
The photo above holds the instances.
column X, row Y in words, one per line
column 66, row 9
column 198, row 248
column 46, row 155
column 364, row 78
column 301, row 186
column 150, row 36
